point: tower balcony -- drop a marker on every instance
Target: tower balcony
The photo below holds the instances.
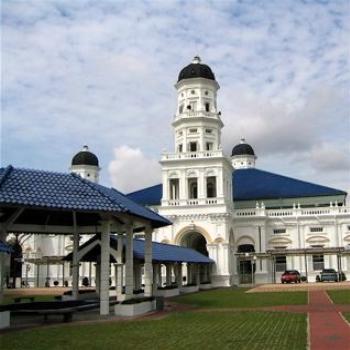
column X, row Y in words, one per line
column 189, row 114
column 192, row 155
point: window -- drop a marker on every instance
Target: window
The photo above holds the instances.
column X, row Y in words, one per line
column 180, row 147
column 348, row 227
column 207, row 107
column 193, row 131
column 281, row 263
column 278, row 231
column 193, row 146
column 181, row 108
column 209, row 146
column 206, row 93
column 192, row 188
column 193, row 92
column 316, row 229
column 318, row 262
column 208, row 131
column 174, row 188
column 211, row 187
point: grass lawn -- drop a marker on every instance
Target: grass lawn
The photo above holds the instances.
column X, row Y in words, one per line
column 237, row 298
column 340, row 296
column 347, row 315
column 187, row 330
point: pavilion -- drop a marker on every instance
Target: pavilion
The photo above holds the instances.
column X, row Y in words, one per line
column 43, row 202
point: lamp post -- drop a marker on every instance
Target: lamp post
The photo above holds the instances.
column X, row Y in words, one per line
column 253, row 261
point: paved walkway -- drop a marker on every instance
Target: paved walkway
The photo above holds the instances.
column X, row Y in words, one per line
column 327, row 329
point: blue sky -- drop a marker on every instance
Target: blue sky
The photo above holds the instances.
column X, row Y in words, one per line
column 102, row 73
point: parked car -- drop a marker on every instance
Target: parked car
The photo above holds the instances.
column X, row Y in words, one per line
column 329, row 275
column 290, row 276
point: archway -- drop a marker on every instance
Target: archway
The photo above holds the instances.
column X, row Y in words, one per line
column 196, row 241
column 246, row 263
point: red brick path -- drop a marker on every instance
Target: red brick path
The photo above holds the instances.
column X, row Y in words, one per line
column 328, row 330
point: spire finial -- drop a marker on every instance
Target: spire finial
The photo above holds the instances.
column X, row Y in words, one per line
column 196, row 59
column 85, row 148
column 242, row 139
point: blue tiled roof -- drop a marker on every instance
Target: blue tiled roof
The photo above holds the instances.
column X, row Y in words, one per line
column 251, row 184
column 148, row 196
column 161, row 252
column 44, row 189
column 5, row 248
column 169, row 253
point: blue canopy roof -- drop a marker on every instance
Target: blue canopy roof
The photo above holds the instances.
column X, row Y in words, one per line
column 251, row 184
column 5, row 248
column 161, row 252
column 66, row 191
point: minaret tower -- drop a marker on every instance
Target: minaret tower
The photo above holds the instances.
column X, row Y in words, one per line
column 197, row 173
column 85, row 164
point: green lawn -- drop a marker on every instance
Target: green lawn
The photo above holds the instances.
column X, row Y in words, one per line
column 340, row 296
column 347, row 315
column 237, row 298
column 187, row 330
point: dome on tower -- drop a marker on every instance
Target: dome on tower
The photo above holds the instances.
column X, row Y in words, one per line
column 196, row 70
column 85, row 157
column 242, row 149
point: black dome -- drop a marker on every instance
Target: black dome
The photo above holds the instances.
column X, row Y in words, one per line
column 196, row 70
column 85, row 157
column 242, row 149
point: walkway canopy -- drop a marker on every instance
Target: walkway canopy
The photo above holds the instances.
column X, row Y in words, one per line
column 5, row 248
column 90, row 251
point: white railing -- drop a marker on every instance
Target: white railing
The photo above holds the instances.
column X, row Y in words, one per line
column 292, row 212
column 201, row 113
column 192, row 155
column 193, row 202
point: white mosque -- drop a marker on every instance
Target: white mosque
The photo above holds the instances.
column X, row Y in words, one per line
column 253, row 223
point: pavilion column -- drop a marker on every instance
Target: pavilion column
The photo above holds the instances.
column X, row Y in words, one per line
column 129, row 263
column 97, row 277
column 104, row 278
column 137, row 276
column 168, row 274
column 189, row 274
column 155, row 277
column 119, row 268
column 75, row 262
column 148, row 263
column 179, row 275
column 3, row 235
column 197, row 274
column 159, row 272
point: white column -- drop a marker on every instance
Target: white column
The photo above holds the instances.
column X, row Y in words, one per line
column 179, row 275
column 3, row 235
column 168, row 274
column 97, row 277
column 159, row 271
column 197, row 272
column 75, row 262
column 148, row 263
column 105, row 252
column 119, row 268
column 129, row 263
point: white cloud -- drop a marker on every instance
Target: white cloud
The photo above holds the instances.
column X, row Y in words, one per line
column 102, row 73
column 131, row 169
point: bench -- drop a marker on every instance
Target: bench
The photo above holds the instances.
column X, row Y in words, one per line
column 19, row 299
column 66, row 312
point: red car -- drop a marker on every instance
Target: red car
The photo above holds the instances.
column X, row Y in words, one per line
column 290, row 276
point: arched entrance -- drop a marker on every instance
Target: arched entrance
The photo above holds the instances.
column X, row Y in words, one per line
column 246, row 263
column 198, row 242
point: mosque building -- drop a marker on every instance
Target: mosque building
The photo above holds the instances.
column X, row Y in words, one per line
column 253, row 223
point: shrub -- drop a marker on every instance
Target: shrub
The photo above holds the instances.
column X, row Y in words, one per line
column 55, row 283
column 85, row 282
column 318, row 278
column 136, row 300
column 303, row 279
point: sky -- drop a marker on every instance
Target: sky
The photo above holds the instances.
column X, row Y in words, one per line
column 102, row 73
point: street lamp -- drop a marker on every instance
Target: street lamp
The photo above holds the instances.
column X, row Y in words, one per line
column 253, row 262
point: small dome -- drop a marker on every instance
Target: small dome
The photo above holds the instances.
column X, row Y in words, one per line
column 242, row 149
column 196, row 70
column 85, row 157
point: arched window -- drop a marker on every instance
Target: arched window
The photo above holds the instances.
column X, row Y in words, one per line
column 211, row 187
column 207, row 107
column 192, row 188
